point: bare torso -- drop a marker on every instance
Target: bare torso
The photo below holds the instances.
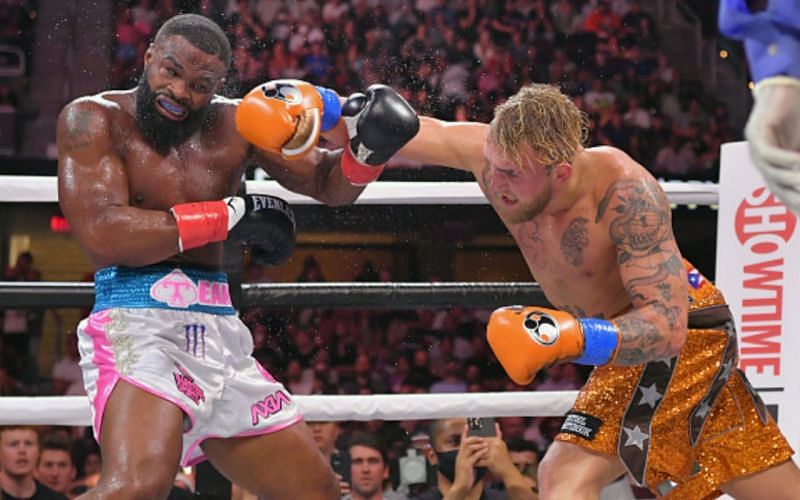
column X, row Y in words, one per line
column 208, row 166
column 571, row 254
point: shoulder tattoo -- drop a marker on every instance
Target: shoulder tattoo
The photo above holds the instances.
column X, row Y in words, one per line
column 642, row 219
column 78, row 122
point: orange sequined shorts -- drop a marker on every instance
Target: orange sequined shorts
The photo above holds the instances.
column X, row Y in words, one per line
column 693, row 421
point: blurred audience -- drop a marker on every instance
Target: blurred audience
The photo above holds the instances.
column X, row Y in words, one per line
column 457, row 60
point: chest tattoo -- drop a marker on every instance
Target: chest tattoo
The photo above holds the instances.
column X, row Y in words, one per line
column 575, row 240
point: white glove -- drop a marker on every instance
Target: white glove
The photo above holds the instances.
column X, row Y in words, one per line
column 773, row 132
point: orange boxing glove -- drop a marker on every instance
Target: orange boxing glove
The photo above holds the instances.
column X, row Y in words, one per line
column 287, row 116
column 527, row 339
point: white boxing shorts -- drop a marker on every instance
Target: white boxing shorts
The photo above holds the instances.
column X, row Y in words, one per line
column 173, row 333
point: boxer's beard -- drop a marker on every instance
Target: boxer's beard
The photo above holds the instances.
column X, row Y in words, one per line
column 158, row 130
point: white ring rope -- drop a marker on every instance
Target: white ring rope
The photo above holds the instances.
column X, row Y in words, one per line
column 74, row 410
column 24, row 188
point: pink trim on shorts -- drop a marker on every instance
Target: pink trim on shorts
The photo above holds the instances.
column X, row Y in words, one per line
column 166, row 397
column 188, row 462
column 267, row 375
column 103, row 359
column 108, row 376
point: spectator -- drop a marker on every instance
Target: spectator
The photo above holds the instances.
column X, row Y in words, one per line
column 561, row 378
column 526, row 460
column 23, row 270
column 299, row 380
column 56, row 469
column 130, row 45
column 635, row 116
column 602, row 20
column 325, row 435
column 566, row 19
column 675, row 159
column 334, row 11
column 19, row 454
column 512, row 427
column 599, row 97
column 452, row 380
column 462, row 460
column 369, row 469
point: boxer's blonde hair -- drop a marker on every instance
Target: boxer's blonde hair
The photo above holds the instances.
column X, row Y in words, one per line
column 542, row 119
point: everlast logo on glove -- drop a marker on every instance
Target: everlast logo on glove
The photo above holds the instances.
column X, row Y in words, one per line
column 268, row 229
column 264, row 202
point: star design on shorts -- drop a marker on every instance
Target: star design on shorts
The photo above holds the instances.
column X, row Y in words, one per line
column 650, row 395
column 703, row 409
column 635, row 437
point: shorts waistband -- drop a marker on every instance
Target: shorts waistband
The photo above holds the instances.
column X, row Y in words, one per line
column 162, row 287
column 710, row 317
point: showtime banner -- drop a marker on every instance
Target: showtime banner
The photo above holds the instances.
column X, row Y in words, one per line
column 758, row 270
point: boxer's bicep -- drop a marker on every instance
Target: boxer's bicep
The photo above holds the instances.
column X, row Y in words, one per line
column 94, row 195
column 449, row 144
column 639, row 222
column 91, row 175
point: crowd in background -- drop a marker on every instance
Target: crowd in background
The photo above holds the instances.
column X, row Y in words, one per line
column 457, row 60
column 17, row 18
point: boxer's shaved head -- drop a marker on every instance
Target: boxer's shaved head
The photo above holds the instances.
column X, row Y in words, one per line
column 201, row 32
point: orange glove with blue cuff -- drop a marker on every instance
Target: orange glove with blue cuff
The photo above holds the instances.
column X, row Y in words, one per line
column 287, row 116
column 528, row 339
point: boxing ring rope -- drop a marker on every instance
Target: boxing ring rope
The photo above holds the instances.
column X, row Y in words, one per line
column 330, row 294
column 74, row 410
column 33, row 189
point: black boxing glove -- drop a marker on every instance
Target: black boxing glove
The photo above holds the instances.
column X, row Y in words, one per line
column 268, row 228
column 379, row 123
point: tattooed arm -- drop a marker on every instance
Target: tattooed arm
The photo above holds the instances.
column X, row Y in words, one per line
column 651, row 268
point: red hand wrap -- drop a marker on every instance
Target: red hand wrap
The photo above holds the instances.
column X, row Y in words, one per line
column 357, row 173
column 200, row 223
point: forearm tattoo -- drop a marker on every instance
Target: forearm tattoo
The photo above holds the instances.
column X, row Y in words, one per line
column 642, row 341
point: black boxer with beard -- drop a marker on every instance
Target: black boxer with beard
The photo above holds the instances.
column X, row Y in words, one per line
column 158, row 130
